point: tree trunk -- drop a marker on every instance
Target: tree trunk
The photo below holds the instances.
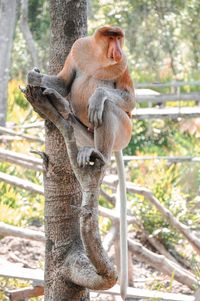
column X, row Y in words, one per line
column 62, row 191
column 7, row 26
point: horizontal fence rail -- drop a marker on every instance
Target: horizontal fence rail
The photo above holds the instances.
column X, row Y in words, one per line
column 168, row 84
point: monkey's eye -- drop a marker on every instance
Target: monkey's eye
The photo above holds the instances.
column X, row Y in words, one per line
column 111, row 38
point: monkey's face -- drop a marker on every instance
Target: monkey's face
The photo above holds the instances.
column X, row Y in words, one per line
column 109, row 41
column 114, row 53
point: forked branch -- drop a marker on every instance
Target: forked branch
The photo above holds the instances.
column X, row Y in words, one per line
column 91, row 267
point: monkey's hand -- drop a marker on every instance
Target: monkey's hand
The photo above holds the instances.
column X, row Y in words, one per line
column 95, row 109
column 34, row 77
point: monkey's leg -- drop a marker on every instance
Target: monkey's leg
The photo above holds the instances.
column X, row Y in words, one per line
column 35, row 78
column 82, row 135
column 112, row 134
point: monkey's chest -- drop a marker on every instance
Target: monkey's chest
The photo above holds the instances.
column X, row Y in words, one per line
column 82, row 89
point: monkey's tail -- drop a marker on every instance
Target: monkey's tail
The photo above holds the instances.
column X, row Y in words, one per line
column 123, row 226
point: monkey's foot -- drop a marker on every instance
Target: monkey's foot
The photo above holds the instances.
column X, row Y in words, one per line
column 58, row 101
column 51, row 92
column 34, row 77
column 87, row 155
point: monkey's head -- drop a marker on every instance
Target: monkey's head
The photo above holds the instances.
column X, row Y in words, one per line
column 109, row 41
column 101, row 54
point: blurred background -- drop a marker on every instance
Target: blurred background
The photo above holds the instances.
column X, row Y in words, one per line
column 162, row 42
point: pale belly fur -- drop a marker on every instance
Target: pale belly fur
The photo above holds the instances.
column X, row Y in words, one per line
column 83, row 87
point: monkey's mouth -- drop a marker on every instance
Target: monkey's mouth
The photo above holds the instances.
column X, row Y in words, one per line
column 112, row 61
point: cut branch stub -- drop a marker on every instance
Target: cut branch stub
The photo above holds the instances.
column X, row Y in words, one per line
column 34, row 96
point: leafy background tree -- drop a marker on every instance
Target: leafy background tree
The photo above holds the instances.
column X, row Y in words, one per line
column 163, row 44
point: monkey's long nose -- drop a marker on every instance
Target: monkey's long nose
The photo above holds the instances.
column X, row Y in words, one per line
column 117, row 52
column 117, row 55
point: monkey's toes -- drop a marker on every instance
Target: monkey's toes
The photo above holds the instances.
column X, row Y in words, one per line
column 88, row 155
column 49, row 91
column 36, row 69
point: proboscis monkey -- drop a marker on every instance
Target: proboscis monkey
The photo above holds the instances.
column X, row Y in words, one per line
column 96, row 82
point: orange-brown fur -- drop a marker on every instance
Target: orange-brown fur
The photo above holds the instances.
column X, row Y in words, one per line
column 89, row 55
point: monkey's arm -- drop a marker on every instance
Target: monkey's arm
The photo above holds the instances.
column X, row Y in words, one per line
column 123, row 96
column 61, row 82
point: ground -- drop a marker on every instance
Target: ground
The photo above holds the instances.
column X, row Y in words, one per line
column 30, row 254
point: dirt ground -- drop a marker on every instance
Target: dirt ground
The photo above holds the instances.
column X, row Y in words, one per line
column 30, row 254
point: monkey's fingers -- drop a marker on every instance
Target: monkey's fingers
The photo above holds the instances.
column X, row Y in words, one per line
column 83, row 157
column 50, row 91
column 79, row 159
column 100, row 117
column 91, row 116
column 95, row 120
column 95, row 117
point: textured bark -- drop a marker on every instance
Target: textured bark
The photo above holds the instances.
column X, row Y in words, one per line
column 7, row 26
column 69, row 21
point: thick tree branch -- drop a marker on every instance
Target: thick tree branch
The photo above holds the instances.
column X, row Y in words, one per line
column 95, row 263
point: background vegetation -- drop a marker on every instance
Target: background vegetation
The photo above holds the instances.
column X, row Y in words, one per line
column 163, row 44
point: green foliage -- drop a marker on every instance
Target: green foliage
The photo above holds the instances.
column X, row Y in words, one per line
column 166, row 182
column 39, row 22
column 162, row 42
column 39, row 18
column 150, row 136
column 11, row 284
column 159, row 36
column 162, row 180
column 162, row 138
column 16, row 98
column 21, row 60
column 17, row 206
column 162, row 38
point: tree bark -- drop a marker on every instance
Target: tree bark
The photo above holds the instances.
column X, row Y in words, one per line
column 7, row 26
column 62, row 190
